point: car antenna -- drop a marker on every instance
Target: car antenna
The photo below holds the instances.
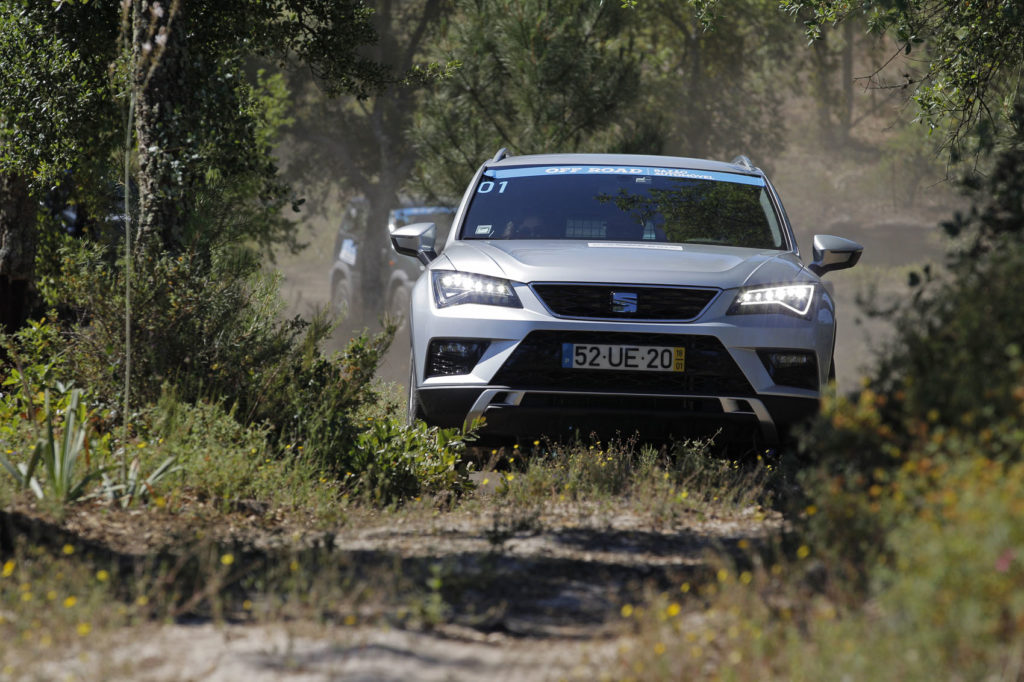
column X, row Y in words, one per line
column 502, row 153
column 742, row 160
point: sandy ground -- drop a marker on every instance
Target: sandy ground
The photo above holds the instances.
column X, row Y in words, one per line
column 309, row 653
column 539, row 602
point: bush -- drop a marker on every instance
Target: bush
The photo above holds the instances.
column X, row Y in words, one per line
column 210, row 326
column 390, row 461
column 954, row 373
column 220, row 459
column 957, row 359
column 955, row 576
column 206, row 327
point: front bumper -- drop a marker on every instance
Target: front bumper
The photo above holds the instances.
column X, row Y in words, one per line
column 519, row 387
column 515, row 413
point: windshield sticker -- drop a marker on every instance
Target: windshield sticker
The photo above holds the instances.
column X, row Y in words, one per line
column 639, row 171
column 483, row 230
column 487, row 186
column 634, row 245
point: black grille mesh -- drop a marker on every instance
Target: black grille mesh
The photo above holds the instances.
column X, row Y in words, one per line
column 653, row 303
column 537, row 364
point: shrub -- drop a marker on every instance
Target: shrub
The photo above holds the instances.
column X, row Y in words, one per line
column 206, row 324
column 955, row 575
column 953, row 374
column 390, row 461
column 218, row 458
column 209, row 325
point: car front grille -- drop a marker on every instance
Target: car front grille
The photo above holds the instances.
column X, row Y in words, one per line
column 536, row 363
column 669, row 304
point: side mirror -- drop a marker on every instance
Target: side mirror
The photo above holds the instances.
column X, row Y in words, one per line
column 416, row 240
column 834, row 253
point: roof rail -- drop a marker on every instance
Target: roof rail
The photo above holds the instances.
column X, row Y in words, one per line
column 742, row 160
column 502, row 153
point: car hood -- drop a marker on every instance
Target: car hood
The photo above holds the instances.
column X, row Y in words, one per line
column 623, row 263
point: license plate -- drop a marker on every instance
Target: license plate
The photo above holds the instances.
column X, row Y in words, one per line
column 622, row 357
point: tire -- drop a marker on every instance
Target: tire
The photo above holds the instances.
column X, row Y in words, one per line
column 341, row 299
column 398, row 305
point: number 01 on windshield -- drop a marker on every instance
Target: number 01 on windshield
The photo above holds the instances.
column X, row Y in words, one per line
column 621, row 357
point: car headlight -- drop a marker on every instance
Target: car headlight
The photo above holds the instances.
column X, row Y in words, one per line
column 455, row 288
column 792, row 299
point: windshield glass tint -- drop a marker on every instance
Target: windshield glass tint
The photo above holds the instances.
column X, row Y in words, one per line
column 623, row 204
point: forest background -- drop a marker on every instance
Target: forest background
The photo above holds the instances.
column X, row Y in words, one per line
column 156, row 157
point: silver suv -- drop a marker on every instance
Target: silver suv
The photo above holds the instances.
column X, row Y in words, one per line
column 587, row 293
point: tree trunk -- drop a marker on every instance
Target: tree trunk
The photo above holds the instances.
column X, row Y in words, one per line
column 18, row 237
column 823, row 72
column 389, row 117
column 376, row 248
column 161, row 92
column 846, row 118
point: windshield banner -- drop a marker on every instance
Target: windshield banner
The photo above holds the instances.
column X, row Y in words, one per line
column 641, row 171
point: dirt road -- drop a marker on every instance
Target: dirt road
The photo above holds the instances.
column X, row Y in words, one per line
column 513, row 593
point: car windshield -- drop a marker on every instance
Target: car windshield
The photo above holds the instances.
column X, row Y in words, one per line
column 624, row 204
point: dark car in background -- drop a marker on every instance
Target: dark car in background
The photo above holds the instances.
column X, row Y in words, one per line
column 345, row 280
column 352, row 263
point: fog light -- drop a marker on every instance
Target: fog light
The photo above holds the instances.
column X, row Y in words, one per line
column 791, row 367
column 447, row 357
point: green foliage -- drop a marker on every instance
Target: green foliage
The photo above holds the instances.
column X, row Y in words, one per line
column 203, row 323
column 965, row 54
column 714, row 76
column 218, row 458
column 956, row 360
column 997, row 210
column 316, row 401
column 534, row 76
column 953, row 374
column 34, row 360
column 202, row 121
column 62, row 455
column 135, row 485
column 944, row 601
column 956, row 363
column 391, row 462
column 957, row 546
column 57, row 110
column 210, row 326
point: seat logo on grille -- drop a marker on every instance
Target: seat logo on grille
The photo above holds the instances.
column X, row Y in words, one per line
column 623, row 302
